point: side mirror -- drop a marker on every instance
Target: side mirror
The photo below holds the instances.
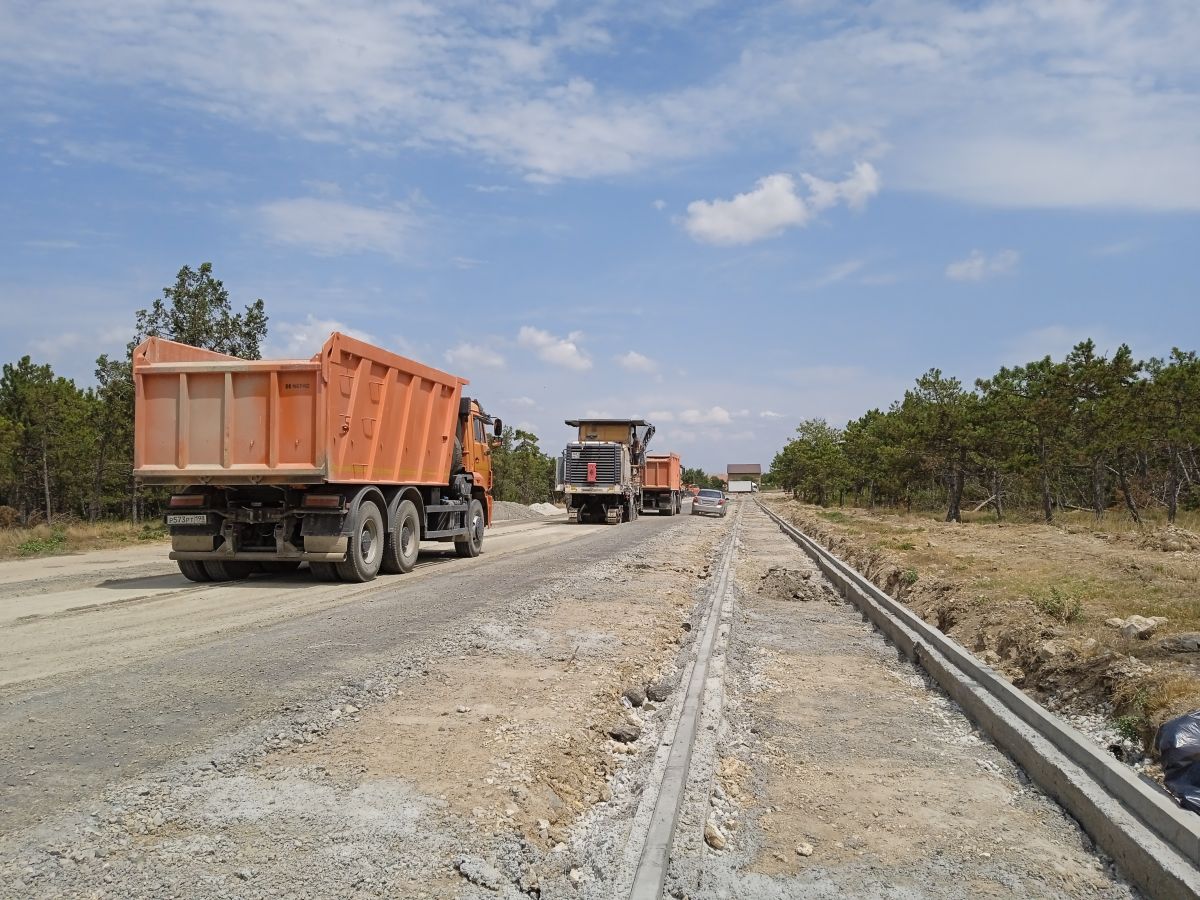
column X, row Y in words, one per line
column 497, row 428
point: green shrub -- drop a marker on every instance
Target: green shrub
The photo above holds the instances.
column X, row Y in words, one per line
column 1130, row 727
column 1059, row 604
column 48, row 544
column 909, row 576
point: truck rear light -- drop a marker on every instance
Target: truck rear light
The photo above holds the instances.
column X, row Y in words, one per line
column 178, row 500
column 325, row 501
column 591, row 476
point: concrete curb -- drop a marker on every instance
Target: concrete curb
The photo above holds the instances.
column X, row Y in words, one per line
column 654, row 856
column 1154, row 842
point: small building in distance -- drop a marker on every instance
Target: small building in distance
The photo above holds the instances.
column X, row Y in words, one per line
column 744, row 472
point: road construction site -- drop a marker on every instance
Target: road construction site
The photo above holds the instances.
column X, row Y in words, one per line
column 679, row 707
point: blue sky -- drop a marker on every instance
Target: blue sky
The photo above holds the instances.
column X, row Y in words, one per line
column 725, row 217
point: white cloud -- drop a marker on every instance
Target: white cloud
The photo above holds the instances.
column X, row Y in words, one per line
column 978, row 265
column 467, row 354
column 714, row 415
column 525, row 402
column 770, row 414
column 558, row 351
column 660, row 205
column 1000, row 102
column 51, row 245
column 62, row 345
column 636, row 362
column 840, row 139
column 836, row 273
column 332, row 228
column 300, row 340
column 774, row 206
column 1055, row 341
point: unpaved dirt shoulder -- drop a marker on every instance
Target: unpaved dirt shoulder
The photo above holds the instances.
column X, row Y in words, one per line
column 844, row 774
column 995, row 591
column 480, row 764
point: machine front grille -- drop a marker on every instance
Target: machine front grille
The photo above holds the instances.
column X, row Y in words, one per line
column 607, row 458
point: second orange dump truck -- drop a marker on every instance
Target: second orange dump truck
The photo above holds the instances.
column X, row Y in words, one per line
column 662, row 487
column 345, row 461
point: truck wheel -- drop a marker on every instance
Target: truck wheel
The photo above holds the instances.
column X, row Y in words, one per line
column 227, row 570
column 193, row 569
column 364, row 554
column 473, row 545
column 403, row 541
column 456, row 458
column 324, row 571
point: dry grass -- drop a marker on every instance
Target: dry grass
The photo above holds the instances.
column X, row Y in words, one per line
column 55, row 540
column 1115, row 518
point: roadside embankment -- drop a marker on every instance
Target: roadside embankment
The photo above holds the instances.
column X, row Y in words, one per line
column 1100, row 625
column 75, row 537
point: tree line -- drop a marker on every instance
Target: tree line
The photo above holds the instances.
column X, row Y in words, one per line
column 701, row 479
column 1089, row 431
column 66, row 452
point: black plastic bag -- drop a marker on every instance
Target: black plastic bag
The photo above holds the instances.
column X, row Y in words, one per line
column 1178, row 746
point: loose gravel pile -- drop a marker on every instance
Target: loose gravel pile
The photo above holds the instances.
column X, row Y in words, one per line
column 506, row 510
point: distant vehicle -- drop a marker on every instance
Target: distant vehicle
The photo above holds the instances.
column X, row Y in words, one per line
column 661, row 489
column 601, row 472
column 742, row 487
column 710, row 502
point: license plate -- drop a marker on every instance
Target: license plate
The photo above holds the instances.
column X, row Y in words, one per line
column 187, row 519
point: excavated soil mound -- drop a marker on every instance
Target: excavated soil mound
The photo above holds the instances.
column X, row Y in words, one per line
column 1171, row 539
column 782, row 583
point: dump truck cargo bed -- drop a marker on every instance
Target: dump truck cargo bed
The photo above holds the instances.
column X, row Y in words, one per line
column 662, row 472
column 353, row 414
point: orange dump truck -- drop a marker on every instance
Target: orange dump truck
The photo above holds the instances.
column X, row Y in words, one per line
column 661, row 484
column 345, row 461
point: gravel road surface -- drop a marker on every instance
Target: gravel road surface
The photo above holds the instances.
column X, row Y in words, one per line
column 490, row 728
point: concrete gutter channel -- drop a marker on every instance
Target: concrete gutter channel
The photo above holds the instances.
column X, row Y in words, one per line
column 652, row 835
column 1154, row 842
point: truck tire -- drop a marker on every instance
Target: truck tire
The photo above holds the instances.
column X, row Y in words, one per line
column 403, row 541
column 364, row 555
column 193, row 570
column 456, row 458
column 227, row 569
column 324, row 571
column 473, row 545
